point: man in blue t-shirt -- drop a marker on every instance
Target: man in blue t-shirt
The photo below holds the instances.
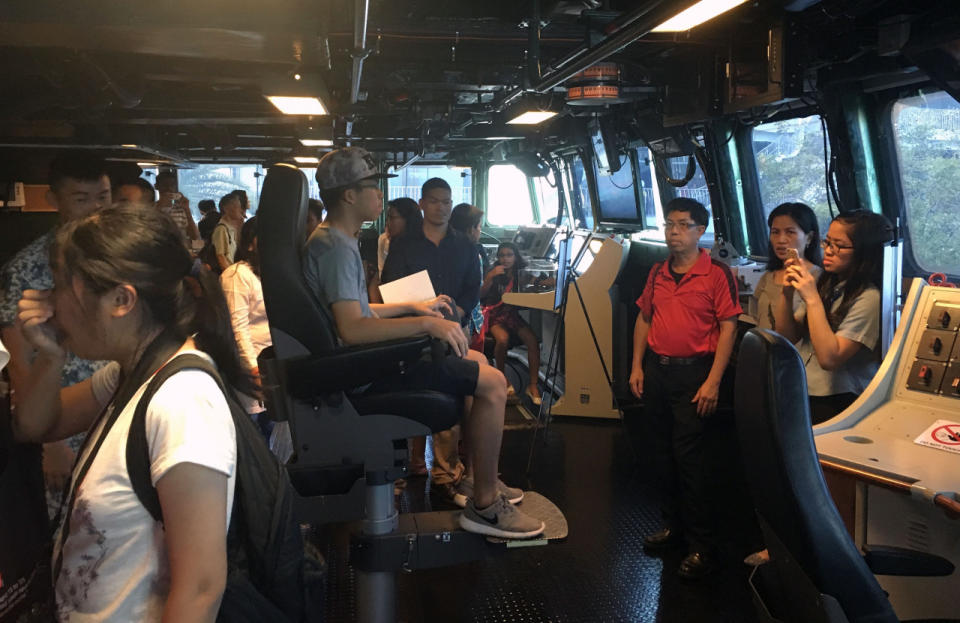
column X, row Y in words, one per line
column 350, row 190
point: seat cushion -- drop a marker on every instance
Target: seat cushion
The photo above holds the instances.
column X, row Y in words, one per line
column 436, row 410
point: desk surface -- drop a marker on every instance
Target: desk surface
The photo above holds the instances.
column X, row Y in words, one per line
column 883, row 443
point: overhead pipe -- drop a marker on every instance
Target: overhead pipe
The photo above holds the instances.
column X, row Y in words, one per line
column 533, row 47
column 638, row 23
column 632, row 26
column 361, row 14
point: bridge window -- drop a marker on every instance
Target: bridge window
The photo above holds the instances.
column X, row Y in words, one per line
column 790, row 165
column 926, row 129
column 581, row 206
column 508, row 196
column 652, row 214
column 213, row 181
column 410, row 179
column 548, row 197
column 696, row 188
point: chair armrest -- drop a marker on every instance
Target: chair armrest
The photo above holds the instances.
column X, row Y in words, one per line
column 350, row 367
column 886, row 560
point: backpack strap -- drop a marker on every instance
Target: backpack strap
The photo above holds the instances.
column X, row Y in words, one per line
column 138, row 449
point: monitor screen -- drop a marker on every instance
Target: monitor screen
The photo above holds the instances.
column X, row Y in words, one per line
column 618, row 198
column 563, row 271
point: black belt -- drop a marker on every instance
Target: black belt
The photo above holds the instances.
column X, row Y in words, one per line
column 663, row 360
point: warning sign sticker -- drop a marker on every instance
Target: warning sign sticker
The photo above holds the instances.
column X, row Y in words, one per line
column 943, row 435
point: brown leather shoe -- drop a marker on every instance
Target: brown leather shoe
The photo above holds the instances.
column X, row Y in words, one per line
column 662, row 539
column 697, row 566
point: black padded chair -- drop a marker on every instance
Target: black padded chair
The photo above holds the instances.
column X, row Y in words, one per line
column 816, row 573
column 348, row 447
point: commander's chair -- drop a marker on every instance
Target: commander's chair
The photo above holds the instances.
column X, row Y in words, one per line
column 348, row 449
column 816, row 574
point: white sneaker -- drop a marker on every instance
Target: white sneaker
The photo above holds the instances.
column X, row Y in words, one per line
column 501, row 519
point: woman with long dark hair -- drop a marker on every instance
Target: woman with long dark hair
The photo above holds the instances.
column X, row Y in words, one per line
column 794, row 233
column 838, row 322
column 248, row 313
column 504, row 321
column 403, row 215
column 126, row 291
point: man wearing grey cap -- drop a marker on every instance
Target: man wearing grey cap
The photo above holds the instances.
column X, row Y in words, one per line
column 350, row 190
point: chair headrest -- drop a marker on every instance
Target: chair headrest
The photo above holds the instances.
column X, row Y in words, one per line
column 780, row 457
column 293, row 310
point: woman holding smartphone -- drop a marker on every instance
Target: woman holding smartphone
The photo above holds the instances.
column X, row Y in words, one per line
column 837, row 321
column 794, row 234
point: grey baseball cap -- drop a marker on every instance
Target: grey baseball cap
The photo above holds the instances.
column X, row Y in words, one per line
column 346, row 166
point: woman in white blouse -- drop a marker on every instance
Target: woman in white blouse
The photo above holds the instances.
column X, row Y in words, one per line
column 248, row 314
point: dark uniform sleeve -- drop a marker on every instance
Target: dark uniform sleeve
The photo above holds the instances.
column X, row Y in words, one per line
column 468, row 294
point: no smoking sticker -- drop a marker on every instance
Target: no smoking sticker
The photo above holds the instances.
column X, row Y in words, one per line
column 942, row 434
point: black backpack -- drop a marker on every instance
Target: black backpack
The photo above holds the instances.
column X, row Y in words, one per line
column 26, row 594
column 270, row 577
column 208, row 255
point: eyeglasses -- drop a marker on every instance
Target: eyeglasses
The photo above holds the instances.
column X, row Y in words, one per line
column 682, row 225
column 832, row 247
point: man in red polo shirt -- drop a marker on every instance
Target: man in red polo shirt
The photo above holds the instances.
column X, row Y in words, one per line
column 681, row 346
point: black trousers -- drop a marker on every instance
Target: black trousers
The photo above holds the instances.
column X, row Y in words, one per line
column 680, row 448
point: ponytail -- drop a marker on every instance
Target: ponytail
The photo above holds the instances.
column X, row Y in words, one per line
column 213, row 331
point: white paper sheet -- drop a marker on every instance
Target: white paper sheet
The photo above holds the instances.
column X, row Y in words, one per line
column 411, row 289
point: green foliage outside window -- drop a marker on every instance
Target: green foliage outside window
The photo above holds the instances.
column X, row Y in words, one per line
column 927, row 133
column 790, row 167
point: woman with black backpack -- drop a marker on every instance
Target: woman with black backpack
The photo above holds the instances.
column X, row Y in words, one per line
column 126, row 291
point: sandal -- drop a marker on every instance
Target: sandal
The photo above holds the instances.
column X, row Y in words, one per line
column 534, row 397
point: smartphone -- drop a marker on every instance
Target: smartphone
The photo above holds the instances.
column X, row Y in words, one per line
column 792, row 254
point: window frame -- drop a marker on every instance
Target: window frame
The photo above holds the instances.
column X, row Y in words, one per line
column 591, row 188
column 891, row 187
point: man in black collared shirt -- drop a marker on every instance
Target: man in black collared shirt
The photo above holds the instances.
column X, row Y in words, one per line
column 451, row 260
column 449, row 257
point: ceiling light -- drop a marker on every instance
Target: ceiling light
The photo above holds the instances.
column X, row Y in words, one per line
column 316, row 142
column 697, row 14
column 307, row 159
column 298, row 105
column 129, row 146
column 532, row 116
column 147, row 165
